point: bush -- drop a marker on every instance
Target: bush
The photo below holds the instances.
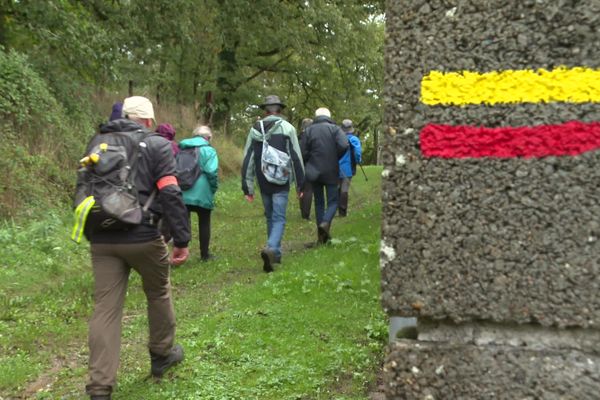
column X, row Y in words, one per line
column 39, row 140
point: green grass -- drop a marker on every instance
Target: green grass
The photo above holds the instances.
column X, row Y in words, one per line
column 314, row 329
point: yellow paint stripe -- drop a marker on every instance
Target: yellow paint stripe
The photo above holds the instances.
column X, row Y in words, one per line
column 567, row 85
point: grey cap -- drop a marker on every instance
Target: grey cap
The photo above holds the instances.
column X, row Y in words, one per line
column 347, row 125
column 272, row 100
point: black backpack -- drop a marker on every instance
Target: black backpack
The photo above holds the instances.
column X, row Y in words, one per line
column 188, row 167
column 106, row 197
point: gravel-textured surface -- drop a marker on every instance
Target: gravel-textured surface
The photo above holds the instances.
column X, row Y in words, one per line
column 489, row 239
column 444, row 371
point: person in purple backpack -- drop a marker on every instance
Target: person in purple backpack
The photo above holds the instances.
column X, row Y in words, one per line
column 168, row 132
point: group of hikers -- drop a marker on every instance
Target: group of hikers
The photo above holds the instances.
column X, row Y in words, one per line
column 136, row 189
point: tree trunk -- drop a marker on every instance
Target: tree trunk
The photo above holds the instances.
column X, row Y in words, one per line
column 130, row 90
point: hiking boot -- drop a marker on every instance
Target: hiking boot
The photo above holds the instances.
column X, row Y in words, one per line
column 160, row 364
column 100, row 397
column 323, row 232
column 268, row 257
column 210, row 257
column 342, row 212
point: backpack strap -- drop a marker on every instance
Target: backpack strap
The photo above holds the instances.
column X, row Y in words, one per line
column 262, row 130
column 149, row 200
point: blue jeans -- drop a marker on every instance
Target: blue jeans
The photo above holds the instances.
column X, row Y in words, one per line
column 275, row 207
column 320, row 190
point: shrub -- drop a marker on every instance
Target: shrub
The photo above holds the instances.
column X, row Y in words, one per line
column 38, row 141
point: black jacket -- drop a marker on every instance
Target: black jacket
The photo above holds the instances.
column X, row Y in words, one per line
column 156, row 161
column 323, row 144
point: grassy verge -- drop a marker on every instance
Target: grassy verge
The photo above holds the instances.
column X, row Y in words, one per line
column 314, row 329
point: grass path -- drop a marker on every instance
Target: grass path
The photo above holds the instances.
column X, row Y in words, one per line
column 314, row 329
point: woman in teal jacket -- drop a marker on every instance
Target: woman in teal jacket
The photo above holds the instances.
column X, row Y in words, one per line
column 200, row 197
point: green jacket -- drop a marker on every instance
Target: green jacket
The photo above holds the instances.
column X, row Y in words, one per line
column 279, row 134
column 203, row 192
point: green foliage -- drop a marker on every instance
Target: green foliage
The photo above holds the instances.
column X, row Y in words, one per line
column 24, row 96
column 313, row 329
column 219, row 58
column 44, row 294
column 38, row 140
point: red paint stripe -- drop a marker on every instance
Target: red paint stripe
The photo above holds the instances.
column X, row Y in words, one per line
column 568, row 139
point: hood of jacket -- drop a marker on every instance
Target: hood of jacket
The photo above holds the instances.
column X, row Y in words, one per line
column 121, row 125
column 167, row 131
column 195, row 141
column 323, row 118
column 270, row 123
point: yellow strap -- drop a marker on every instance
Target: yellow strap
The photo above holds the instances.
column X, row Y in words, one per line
column 81, row 214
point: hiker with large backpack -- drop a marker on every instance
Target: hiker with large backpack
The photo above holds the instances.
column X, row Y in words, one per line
column 323, row 144
column 125, row 184
column 197, row 169
column 348, row 162
column 272, row 156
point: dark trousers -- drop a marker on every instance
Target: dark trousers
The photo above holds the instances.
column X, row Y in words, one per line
column 344, row 188
column 306, row 200
column 203, row 228
column 325, row 209
column 112, row 264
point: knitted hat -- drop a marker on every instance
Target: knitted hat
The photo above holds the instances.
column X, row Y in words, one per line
column 117, row 111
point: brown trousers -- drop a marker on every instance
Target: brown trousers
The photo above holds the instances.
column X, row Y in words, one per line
column 112, row 264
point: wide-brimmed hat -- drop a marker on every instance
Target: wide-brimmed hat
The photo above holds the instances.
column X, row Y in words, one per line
column 272, row 100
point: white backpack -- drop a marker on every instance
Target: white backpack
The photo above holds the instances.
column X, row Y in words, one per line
column 275, row 164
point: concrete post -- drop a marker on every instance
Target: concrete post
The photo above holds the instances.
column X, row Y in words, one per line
column 491, row 192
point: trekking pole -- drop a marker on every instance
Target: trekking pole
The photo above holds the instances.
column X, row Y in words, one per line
column 363, row 171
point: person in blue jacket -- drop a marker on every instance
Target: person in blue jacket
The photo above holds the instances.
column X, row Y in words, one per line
column 348, row 163
column 200, row 197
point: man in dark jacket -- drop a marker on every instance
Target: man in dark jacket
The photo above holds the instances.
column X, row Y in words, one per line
column 280, row 134
column 306, row 199
column 116, row 252
column 323, row 144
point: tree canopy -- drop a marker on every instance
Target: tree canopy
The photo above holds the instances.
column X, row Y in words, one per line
column 221, row 57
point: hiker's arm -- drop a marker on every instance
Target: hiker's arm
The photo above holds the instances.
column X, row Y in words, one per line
column 210, row 167
column 170, row 197
column 248, row 168
column 297, row 164
column 304, row 147
column 341, row 142
column 357, row 149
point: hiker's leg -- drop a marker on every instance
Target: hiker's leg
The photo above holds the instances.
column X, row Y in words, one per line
column 111, row 275
column 306, row 200
column 204, row 231
column 343, row 195
column 267, row 200
column 332, row 202
column 151, row 261
column 318, row 190
column 278, row 219
column 190, row 209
